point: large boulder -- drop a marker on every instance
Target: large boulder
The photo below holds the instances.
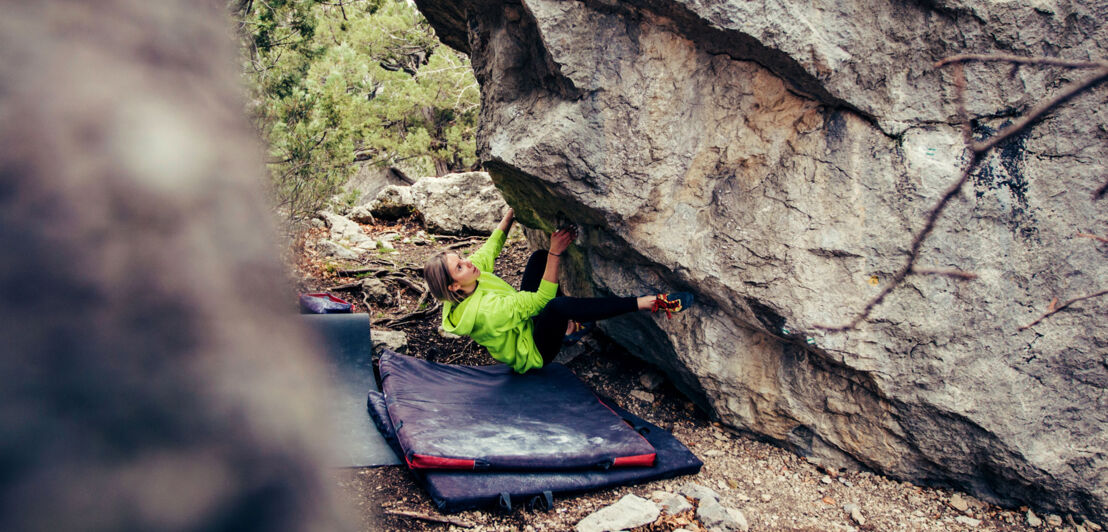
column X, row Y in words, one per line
column 391, row 202
column 776, row 160
column 467, row 203
column 369, row 179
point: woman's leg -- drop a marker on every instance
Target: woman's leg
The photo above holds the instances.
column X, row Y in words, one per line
column 532, row 273
column 550, row 324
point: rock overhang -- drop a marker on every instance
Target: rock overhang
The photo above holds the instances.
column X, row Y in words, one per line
column 779, row 173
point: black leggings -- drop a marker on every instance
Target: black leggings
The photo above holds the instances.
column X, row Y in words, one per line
column 551, row 322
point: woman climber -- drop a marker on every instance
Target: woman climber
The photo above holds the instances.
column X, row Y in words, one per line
column 524, row 329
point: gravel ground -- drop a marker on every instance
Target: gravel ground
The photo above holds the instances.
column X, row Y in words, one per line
column 775, row 489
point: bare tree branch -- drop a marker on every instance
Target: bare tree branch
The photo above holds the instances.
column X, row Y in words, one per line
column 465, row 243
column 341, row 287
column 413, row 285
column 431, row 309
column 290, row 158
column 433, row 518
column 1094, row 237
column 977, row 151
column 913, row 252
column 1033, row 115
column 1019, row 60
column 960, row 100
column 957, row 274
column 1060, row 307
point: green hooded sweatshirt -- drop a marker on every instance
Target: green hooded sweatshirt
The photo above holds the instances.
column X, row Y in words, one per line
column 497, row 316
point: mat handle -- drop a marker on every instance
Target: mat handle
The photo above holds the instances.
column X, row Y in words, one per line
column 544, row 502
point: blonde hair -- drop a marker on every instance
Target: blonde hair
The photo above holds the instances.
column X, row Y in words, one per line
column 437, row 275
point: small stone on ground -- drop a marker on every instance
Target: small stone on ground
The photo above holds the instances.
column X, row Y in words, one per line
column 631, row 511
column 391, row 340
column 958, row 503
column 716, row 516
column 968, row 521
column 673, row 503
column 645, row 397
column 697, row 492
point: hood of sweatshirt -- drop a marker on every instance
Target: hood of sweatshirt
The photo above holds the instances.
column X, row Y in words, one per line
column 458, row 318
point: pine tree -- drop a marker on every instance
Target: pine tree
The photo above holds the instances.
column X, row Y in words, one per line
column 343, row 82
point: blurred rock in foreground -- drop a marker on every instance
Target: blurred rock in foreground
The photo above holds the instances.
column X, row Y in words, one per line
column 154, row 378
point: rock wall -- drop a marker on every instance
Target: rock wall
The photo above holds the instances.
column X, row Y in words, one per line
column 776, row 159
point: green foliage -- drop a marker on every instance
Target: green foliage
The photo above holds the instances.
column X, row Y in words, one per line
column 348, row 199
column 344, row 81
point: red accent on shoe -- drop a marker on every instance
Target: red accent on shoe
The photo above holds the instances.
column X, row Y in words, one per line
column 662, row 302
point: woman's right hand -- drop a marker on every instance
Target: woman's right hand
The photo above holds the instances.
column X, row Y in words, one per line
column 561, row 239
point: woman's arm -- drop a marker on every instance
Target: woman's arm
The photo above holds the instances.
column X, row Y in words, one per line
column 485, row 257
column 506, row 222
column 559, row 241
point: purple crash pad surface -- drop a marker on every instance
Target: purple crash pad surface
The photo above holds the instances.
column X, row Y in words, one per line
column 455, row 491
column 491, row 418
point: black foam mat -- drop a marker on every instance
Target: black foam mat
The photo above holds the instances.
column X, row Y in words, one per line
column 348, row 346
column 455, row 491
column 491, row 418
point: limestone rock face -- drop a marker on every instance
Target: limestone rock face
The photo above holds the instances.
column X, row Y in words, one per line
column 776, row 159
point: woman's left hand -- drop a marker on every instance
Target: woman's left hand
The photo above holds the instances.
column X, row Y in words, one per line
column 561, row 239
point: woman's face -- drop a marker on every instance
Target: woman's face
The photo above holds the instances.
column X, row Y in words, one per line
column 462, row 271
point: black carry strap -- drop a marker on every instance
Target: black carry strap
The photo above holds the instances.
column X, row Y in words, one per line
column 640, row 427
column 544, row 502
column 505, row 501
column 375, row 363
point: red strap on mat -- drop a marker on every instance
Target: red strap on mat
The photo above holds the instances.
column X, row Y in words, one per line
column 645, row 460
column 422, row 461
column 329, row 297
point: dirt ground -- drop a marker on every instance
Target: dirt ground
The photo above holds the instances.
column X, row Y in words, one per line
column 775, row 489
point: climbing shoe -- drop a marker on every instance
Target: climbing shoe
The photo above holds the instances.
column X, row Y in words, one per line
column 579, row 332
column 672, row 303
